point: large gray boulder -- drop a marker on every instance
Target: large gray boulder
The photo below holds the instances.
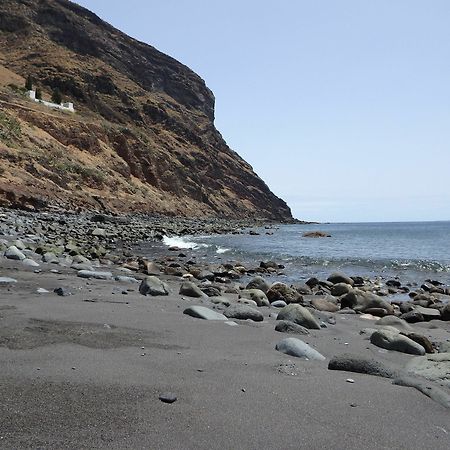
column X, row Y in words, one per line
column 299, row 349
column 361, row 301
column 14, row 253
column 191, row 290
column 201, row 312
column 391, row 340
column 257, row 295
column 243, row 312
column 300, row 315
column 428, row 313
column 285, row 326
column 153, row 286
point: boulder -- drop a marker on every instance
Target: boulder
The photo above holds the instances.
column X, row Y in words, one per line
column 390, row 340
column 324, row 303
column 434, row 367
column 396, row 322
column 210, row 291
column 258, row 283
column 428, row 313
column 299, row 315
column 285, row 326
column 299, row 349
column 339, row 289
column 422, row 340
column 257, row 295
column 191, row 290
column 412, row 317
column 278, row 304
column 153, row 286
column 445, row 313
column 201, row 312
column 361, row 301
column 280, row 291
column 243, row 312
column 30, row 262
column 14, row 253
column 360, row 364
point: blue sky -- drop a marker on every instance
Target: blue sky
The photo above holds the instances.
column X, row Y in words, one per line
column 341, row 106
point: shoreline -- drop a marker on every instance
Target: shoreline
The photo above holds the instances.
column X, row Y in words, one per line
column 93, row 358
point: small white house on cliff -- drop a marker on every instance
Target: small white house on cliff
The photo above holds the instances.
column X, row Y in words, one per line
column 62, row 106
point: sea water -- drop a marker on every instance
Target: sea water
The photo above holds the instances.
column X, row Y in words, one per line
column 413, row 251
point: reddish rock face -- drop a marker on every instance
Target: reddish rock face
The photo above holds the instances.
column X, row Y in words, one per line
column 143, row 137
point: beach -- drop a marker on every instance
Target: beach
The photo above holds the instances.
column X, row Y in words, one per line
column 85, row 366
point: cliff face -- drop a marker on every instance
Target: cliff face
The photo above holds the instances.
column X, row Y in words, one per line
column 143, row 137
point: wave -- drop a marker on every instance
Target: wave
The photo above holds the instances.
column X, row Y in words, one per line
column 177, row 241
column 221, row 250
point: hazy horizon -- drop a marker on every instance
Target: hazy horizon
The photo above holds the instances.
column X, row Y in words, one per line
column 342, row 108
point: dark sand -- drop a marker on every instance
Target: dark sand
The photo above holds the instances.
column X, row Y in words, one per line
column 73, row 375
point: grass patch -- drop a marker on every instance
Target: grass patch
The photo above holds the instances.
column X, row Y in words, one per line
column 10, row 129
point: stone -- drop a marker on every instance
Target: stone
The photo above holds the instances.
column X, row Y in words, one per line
column 219, row 300
column 361, row 301
column 434, row 367
column 7, row 280
column 243, row 312
column 50, row 258
column 210, row 291
column 299, row 315
column 201, row 312
column 390, row 340
column 247, row 301
column 339, row 289
column 299, row 349
column 125, row 279
column 396, row 322
column 278, row 304
column 422, row 340
column 445, row 313
column 412, row 317
column 258, row 283
column 360, row 364
column 190, row 289
column 153, row 286
column 323, row 303
column 285, row 326
column 280, row 291
column 428, row 313
column 30, row 262
column 205, row 275
column 62, row 291
column 42, row 291
column 337, row 277
column 257, row 295
column 14, row 253
column 94, row 274
column 168, row 397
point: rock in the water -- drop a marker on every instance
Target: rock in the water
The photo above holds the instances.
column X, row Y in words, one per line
column 359, row 364
column 337, row 277
column 257, row 295
column 153, row 286
column 243, row 312
column 94, row 274
column 390, row 340
column 7, row 280
column 299, row 349
column 191, row 290
column 300, row 315
column 14, row 253
column 201, row 312
column 258, row 283
column 285, row 326
column 280, row 291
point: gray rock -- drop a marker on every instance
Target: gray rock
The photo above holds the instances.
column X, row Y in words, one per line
column 434, row 367
column 395, row 322
column 30, row 262
column 14, row 253
column 7, row 280
column 299, row 349
column 50, row 258
column 168, row 397
column 243, row 312
column 278, row 304
column 257, row 295
column 299, row 315
column 201, row 312
column 205, row 275
column 220, row 300
column 324, row 303
column 392, row 341
column 361, row 301
column 284, row 326
column 94, row 274
column 359, row 364
column 444, row 347
column 339, row 289
column 428, row 313
column 412, row 317
column 280, row 291
column 210, row 291
column 62, row 291
column 125, row 279
column 153, row 286
column 258, row 283
column 338, row 277
column 82, row 266
column 191, row 290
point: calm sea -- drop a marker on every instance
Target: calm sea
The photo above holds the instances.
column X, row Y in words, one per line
column 413, row 251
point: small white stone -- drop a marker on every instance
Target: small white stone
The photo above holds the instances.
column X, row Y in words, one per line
column 350, row 380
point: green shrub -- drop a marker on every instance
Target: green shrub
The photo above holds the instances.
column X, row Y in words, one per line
column 56, row 96
column 9, row 128
column 29, row 83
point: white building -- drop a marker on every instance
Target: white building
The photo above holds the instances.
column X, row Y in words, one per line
column 62, row 106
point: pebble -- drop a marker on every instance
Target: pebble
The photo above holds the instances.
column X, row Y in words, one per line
column 350, row 380
column 168, row 397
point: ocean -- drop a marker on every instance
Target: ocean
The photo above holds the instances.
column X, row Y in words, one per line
column 413, row 251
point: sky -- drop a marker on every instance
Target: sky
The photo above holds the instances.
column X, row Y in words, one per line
column 341, row 106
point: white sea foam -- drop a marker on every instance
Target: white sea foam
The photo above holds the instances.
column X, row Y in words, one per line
column 221, row 250
column 177, row 241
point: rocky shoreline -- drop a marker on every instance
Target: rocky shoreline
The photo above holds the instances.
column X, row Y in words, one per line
column 88, row 260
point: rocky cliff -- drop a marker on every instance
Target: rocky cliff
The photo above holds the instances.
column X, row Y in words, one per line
column 142, row 139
